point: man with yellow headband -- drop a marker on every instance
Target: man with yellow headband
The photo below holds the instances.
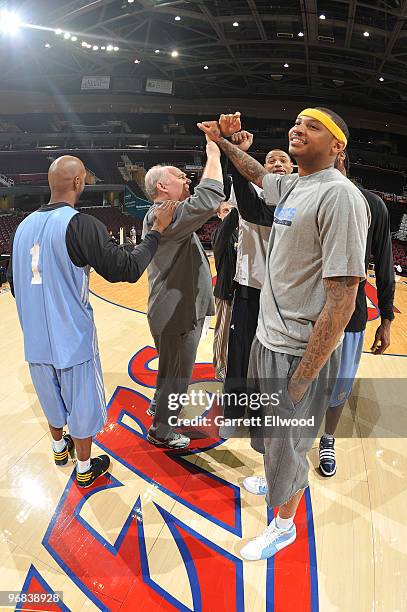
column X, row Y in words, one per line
column 315, row 261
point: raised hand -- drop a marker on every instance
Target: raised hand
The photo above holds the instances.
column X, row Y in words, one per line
column 243, row 140
column 163, row 215
column 211, row 147
column 230, row 124
column 211, row 129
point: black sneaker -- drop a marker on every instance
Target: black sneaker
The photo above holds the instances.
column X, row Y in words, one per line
column 61, row 458
column 98, row 467
column 175, row 440
column 152, row 408
column 327, row 461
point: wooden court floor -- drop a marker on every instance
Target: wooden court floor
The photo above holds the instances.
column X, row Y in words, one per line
column 163, row 532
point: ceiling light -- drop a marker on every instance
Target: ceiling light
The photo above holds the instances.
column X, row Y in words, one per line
column 300, row 34
column 109, row 48
column 235, row 24
column 174, row 53
column 84, row 44
column 103, row 48
column 115, row 48
column 286, row 65
column 74, row 38
column 157, row 51
column 136, row 61
column 130, row 1
column 366, row 34
column 9, row 22
column 381, row 79
column 67, row 36
column 95, row 48
column 206, row 67
column 47, row 45
column 322, row 16
column 58, row 31
column 177, row 18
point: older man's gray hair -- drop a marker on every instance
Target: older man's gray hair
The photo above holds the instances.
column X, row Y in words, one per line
column 155, row 174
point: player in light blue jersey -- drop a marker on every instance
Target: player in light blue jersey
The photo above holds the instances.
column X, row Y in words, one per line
column 53, row 250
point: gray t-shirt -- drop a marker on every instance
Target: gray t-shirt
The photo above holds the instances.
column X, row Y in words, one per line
column 319, row 231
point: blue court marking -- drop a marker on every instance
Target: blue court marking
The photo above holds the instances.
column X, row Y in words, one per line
column 146, row 366
column 312, row 552
column 237, row 528
column 115, row 304
column 34, row 573
column 45, row 542
column 172, row 524
column 270, row 571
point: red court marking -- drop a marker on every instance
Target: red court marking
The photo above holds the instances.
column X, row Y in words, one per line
column 292, row 579
column 107, row 575
column 141, row 372
column 214, row 498
column 371, row 293
column 33, row 588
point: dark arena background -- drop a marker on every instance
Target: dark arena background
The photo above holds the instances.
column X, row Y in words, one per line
column 121, row 84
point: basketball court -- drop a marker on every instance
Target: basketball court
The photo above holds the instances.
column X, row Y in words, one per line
column 162, row 530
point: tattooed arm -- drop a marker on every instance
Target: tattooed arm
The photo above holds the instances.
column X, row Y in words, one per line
column 339, row 306
column 248, row 167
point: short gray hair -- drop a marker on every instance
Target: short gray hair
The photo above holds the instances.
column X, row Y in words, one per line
column 155, row 174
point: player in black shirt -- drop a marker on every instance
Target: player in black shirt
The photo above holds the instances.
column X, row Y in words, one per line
column 379, row 246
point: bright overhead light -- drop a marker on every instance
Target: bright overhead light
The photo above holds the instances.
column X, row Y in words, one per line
column 58, row 31
column 286, row 65
column 174, row 53
column 47, row 46
column 9, row 22
column 109, row 48
column 115, row 48
column 84, row 44
column 366, row 34
column 74, row 38
column 235, row 24
column 103, row 48
column 67, row 36
column 157, row 51
column 322, row 16
column 206, row 67
column 177, row 18
column 300, row 34
column 130, row 1
column 381, row 79
column 136, row 61
column 95, row 48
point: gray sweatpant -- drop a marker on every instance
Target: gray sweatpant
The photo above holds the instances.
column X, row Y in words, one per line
column 284, row 446
column 176, row 358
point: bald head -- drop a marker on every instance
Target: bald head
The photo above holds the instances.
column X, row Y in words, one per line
column 66, row 178
column 278, row 162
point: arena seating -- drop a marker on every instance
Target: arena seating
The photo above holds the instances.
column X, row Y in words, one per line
column 8, row 225
column 113, row 218
column 206, row 231
column 400, row 255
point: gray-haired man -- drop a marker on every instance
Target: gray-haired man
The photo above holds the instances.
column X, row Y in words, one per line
column 180, row 284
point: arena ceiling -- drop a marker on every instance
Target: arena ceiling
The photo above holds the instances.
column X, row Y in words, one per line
column 282, row 50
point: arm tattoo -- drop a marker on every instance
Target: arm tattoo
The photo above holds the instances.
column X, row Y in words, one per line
column 248, row 167
column 335, row 315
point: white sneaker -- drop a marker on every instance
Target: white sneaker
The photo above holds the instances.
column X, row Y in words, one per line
column 256, row 485
column 269, row 543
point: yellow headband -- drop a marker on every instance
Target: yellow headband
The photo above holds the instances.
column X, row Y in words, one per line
column 326, row 121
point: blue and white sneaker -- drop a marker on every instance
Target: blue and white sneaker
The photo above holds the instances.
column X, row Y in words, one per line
column 327, row 460
column 256, row 485
column 269, row 543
